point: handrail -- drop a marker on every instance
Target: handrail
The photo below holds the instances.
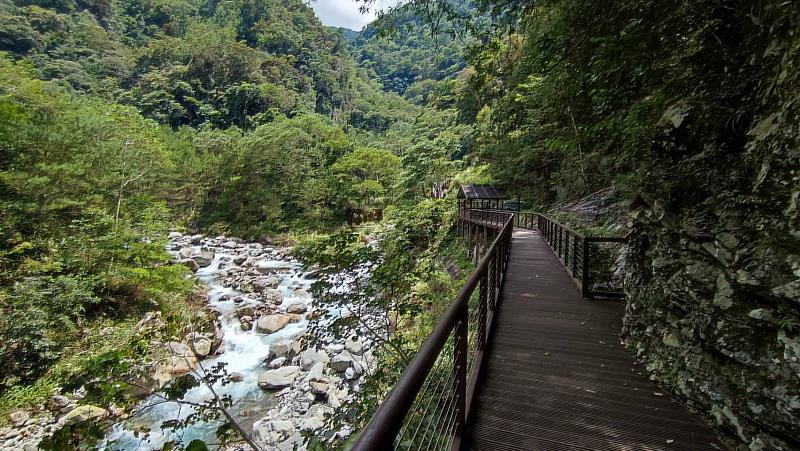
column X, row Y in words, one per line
column 577, row 252
column 384, row 426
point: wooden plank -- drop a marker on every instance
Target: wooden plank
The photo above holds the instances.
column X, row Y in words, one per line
column 557, row 376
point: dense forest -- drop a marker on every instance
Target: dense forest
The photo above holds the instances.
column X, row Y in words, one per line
column 124, row 120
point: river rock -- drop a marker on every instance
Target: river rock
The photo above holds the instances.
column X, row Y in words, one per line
column 82, row 414
column 174, row 236
column 319, row 388
column 354, row 345
column 239, row 259
column 18, row 418
column 278, row 378
column 196, row 239
column 296, row 307
column 58, row 402
column 186, row 252
column 205, row 257
column 311, row 357
column 236, row 377
column 273, row 296
column 202, row 346
column 150, row 321
column 278, row 349
column 277, row 363
column 341, row 362
column 315, row 419
column 272, row 323
column 316, row 371
column 178, row 349
column 189, row 263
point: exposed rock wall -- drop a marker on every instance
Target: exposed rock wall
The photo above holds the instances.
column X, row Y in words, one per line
column 714, row 264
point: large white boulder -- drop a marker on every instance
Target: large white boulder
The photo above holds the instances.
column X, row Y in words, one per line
column 311, row 357
column 279, row 378
column 272, row 323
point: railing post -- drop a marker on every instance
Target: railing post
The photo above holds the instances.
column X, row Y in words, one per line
column 480, row 332
column 559, row 247
column 574, row 255
column 460, row 373
column 585, row 270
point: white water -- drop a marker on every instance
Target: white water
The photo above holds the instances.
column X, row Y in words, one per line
column 244, row 352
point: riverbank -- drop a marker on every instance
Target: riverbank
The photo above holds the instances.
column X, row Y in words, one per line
column 255, row 320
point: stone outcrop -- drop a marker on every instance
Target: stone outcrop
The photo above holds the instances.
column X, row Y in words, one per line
column 713, row 280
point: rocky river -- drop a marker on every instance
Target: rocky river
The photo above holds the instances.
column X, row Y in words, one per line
column 282, row 381
column 280, row 384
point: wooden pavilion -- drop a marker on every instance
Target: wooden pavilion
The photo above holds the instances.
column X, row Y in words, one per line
column 481, row 196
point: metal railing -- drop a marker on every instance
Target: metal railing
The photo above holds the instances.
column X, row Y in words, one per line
column 429, row 406
column 589, row 260
column 593, row 262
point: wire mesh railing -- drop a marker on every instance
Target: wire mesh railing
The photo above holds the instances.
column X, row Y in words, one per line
column 429, row 406
column 593, row 262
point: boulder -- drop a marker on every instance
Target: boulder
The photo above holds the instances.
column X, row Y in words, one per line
column 189, row 263
column 273, row 296
column 82, row 414
column 315, row 419
column 204, row 258
column 354, row 345
column 174, row 235
column 271, row 323
column 311, row 357
column 278, row 378
column 277, row 363
column 239, row 259
column 186, row 252
column 319, row 388
column 195, row 239
column 341, row 362
column 18, row 418
column 58, row 402
column 278, row 349
column 150, row 321
column 296, row 307
column 202, row 346
column 316, row 372
column 178, row 349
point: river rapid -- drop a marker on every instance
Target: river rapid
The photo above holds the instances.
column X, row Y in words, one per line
column 280, row 385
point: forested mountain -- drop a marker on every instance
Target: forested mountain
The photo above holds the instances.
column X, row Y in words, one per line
column 188, row 63
column 121, row 120
column 409, row 53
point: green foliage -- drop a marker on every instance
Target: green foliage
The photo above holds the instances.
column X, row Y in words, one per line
column 81, row 228
column 416, row 267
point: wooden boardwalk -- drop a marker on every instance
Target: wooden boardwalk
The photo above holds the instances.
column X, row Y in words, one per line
column 558, row 378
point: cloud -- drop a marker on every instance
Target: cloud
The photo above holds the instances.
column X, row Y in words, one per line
column 345, row 13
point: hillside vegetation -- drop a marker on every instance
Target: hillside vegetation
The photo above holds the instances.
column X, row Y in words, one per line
column 122, row 120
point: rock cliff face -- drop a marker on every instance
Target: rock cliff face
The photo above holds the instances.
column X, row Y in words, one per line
column 713, row 277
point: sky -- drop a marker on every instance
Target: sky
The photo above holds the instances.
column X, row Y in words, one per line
column 345, row 13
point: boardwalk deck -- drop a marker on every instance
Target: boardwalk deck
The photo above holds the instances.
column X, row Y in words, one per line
column 557, row 377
